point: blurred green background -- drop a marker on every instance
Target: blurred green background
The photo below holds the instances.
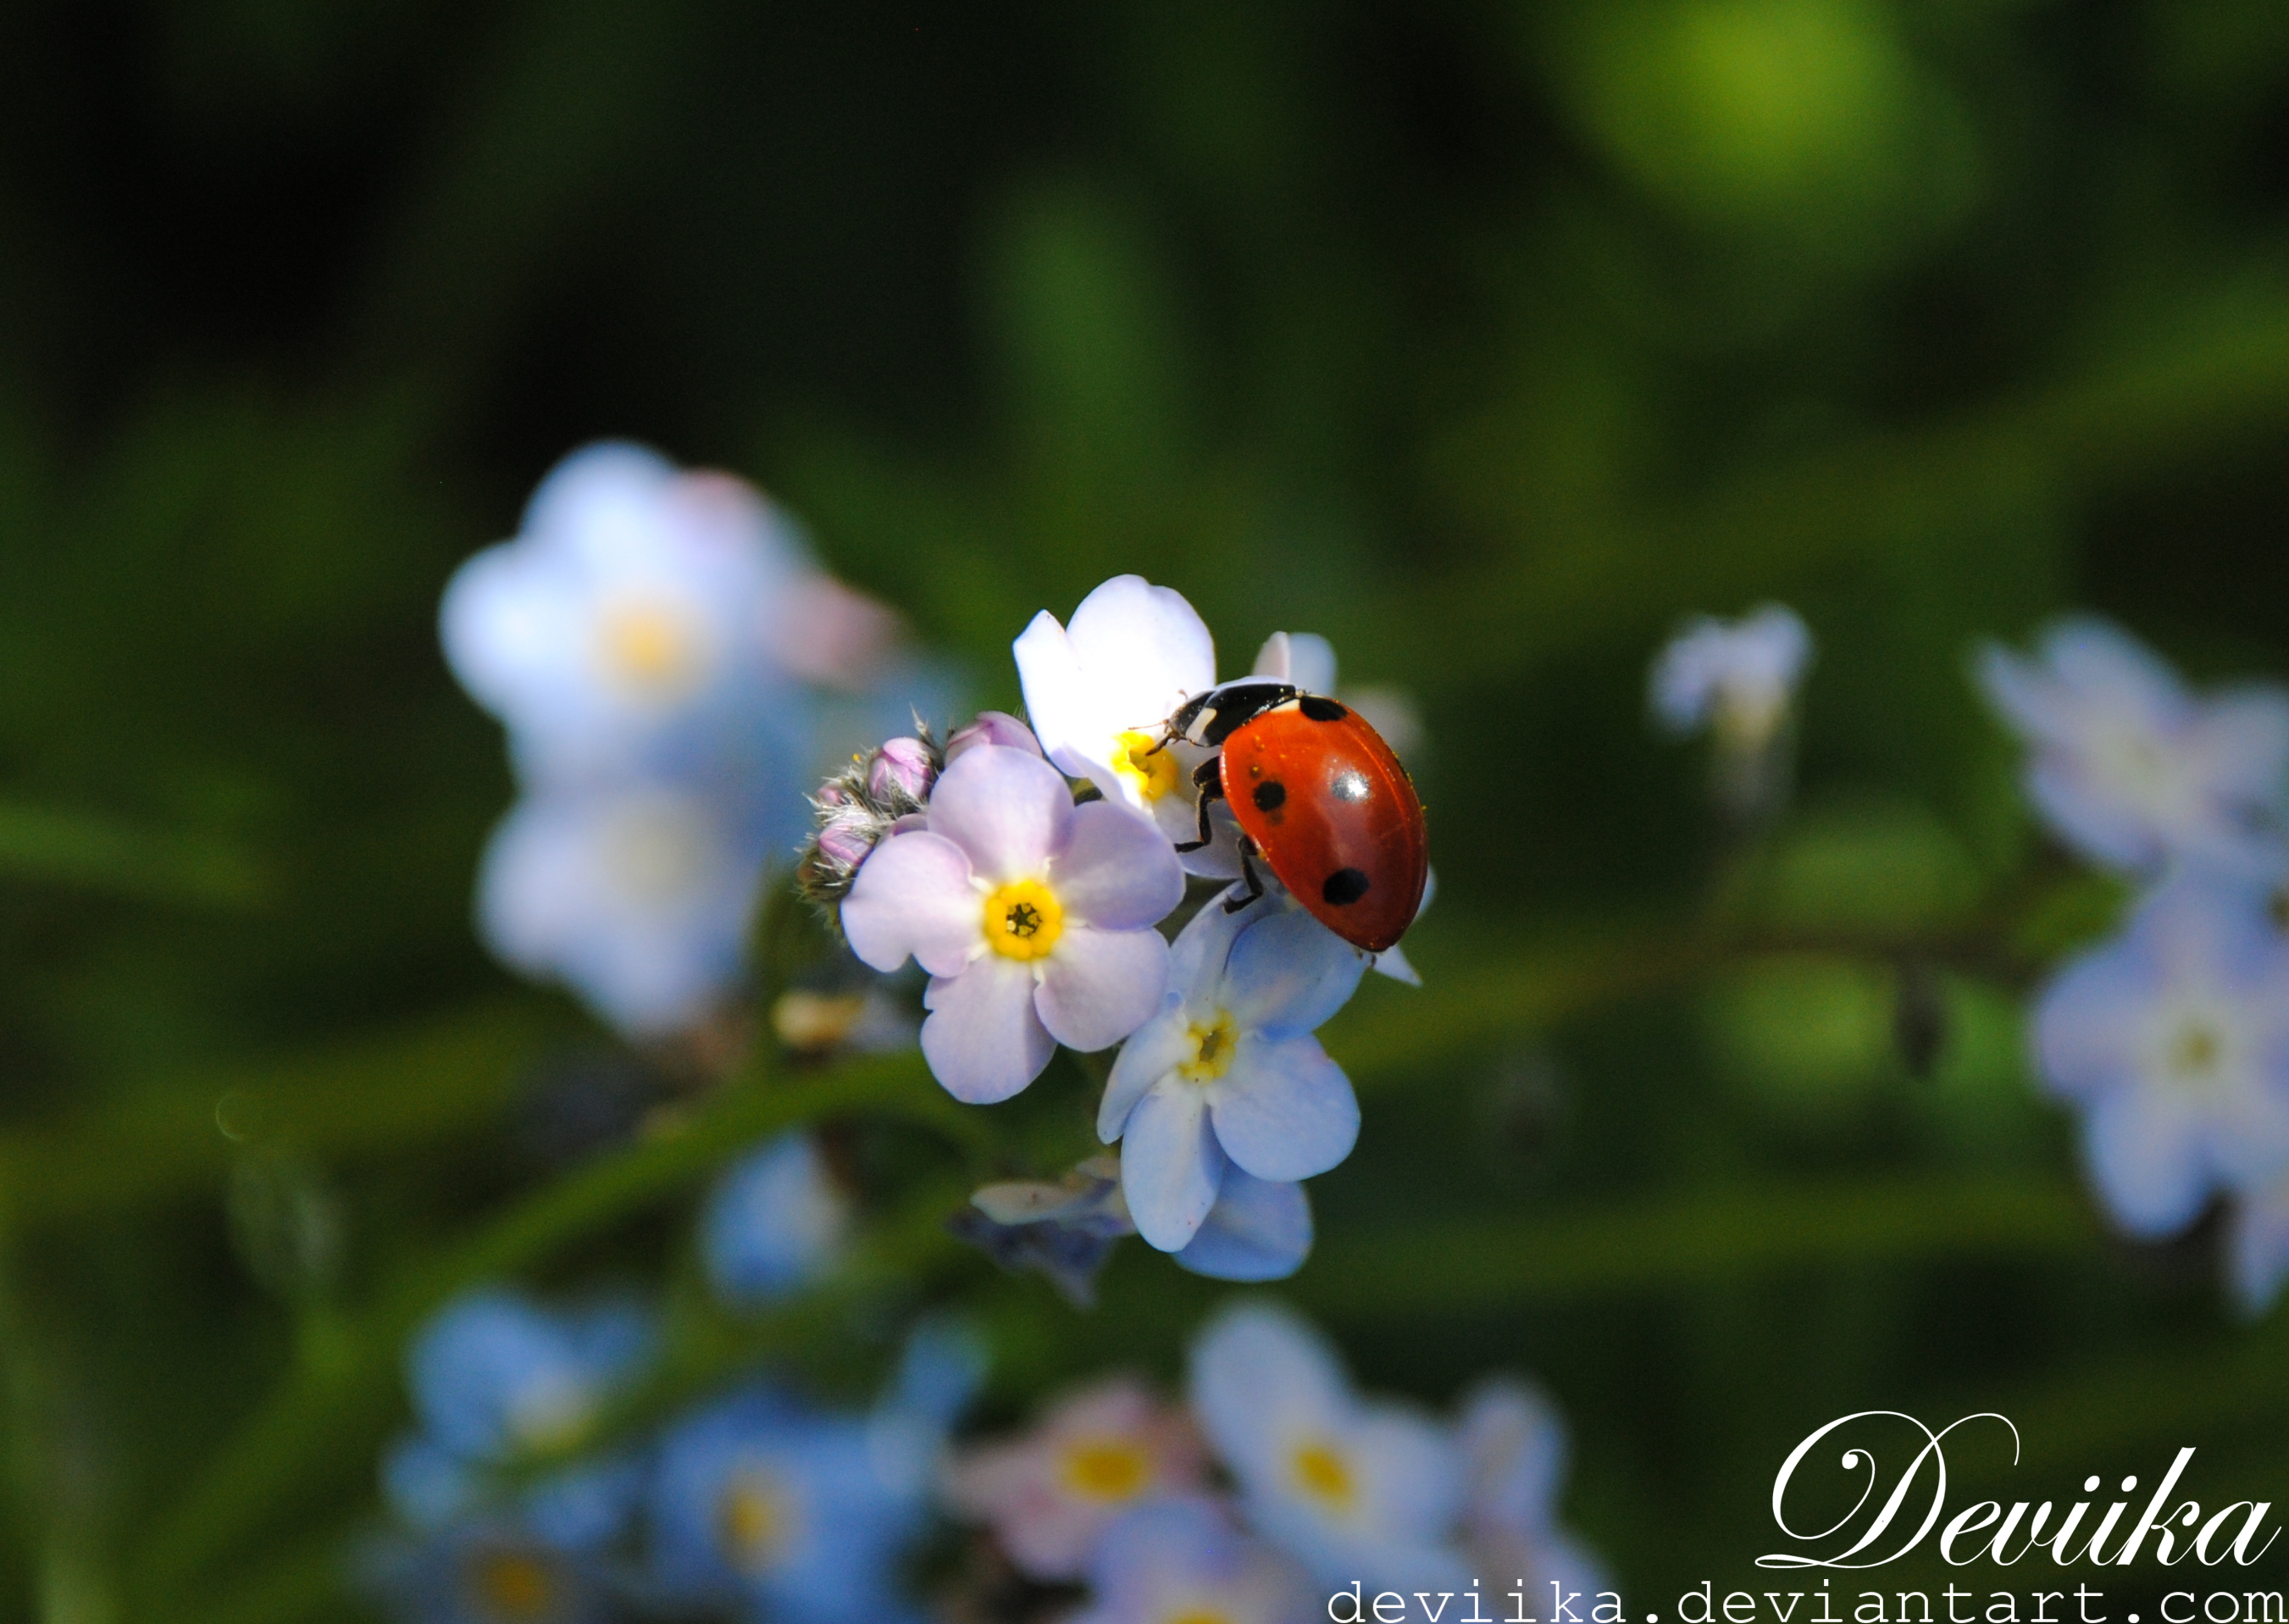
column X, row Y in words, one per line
column 1487, row 340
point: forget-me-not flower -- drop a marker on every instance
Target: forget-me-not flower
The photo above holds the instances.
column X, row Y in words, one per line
column 1353, row 1489
column 776, row 1220
column 1098, row 690
column 642, row 618
column 2133, row 770
column 1050, row 1494
column 495, row 1377
column 1227, row 1073
column 1514, row 1452
column 1034, row 917
column 803, row 1514
column 487, row 1570
column 1182, row 1562
column 2173, row 1040
column 1739, row 677
column 638, row 895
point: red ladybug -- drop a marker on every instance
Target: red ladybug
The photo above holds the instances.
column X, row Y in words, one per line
column 1318, row 795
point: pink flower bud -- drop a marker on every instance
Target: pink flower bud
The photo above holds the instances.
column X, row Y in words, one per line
column 844, row 845
column 901, row 771
column 832, row 794
column 994, row 727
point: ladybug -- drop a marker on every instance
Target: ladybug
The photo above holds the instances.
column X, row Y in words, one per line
column 1320, row 797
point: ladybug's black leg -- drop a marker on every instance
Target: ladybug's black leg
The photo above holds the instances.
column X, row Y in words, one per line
column 1208, row 777
column 1247, row 873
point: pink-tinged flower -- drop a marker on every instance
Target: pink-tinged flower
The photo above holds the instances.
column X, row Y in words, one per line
column 1049, row 1495
column 1034, row 917
column 1514, row 1455
column 1182, row 1562
column 992, row 727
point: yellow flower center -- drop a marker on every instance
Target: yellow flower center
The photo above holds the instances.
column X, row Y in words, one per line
column 2195, row 1050
column 1322, row 1473
column 1142, row 760
column 1201, row 1615
column 649, row 648
column 513, row 1584
column 1212, row 1043
column 756, row 1520
column 554, row 1416
column 1106, row 1468
column 1024, row 920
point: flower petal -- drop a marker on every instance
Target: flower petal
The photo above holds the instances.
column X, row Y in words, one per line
column 1054, row 692
column 1285, row 1111
column 1143, row 651
column 914, row 895
column 1170, row 1166
column 1116, row 870
column 1007, row 809
column 2144, row 1156
column 1304, row 658
column 983, row 1041
column 1289, row 973
column 1101, row 986
column 1261, row 1375
column 1257, row 1231
column 1153, row 1050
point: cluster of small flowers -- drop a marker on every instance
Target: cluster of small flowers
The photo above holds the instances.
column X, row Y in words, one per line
column 667, row 661
column 2173, row 1035
column 1329, row 1495
column 758, row 1501
column 1738, row 678
column 1037, row 916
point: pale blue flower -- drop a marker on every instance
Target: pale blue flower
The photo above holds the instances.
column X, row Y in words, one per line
column 1227, row 1073
column 1034, row 917
column 1353, row 1489
column 640, row 620
column 1738, row 676
column 1258, row 1229
column 486, row 1570
column 1514, row 1449
column 637, row 895
column 776, row 1220
column 2257, row 1243
column 1182, row 1560
column 2133, row 770
column 494, row 1378
column 800, row 1515
column 2173, row 1040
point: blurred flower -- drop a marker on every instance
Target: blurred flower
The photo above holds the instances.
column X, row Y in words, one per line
column 1033, row 916
column 1182, row 1562
column 799, row 1513
column 1738, row 676
column 1514, row 1450
column 1228, row 1070
column 2130, row 768
column 638, row 895
column 1353, row 1490
column 2257, row 1243
column 1050, row 1494
column 1064, row 1230
column 495, row 1377
column 2173, row 1038
column 776, row 1220
column 867, row 1022
column 1097, row 692
column 486, row 1570
column 638, row 621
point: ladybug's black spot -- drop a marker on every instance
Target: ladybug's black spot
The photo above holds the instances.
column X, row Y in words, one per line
column 1345, row 886
column 1270, row 797
column 1319, row 707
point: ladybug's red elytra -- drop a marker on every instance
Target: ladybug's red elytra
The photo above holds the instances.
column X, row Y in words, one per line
column 1317, row 794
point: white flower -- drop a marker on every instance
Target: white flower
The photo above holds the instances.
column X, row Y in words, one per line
column 2173, row 1038
column 1353, row 1489
column 2130, row 768
column 1033, row 916
column 1228, row 1070
column 637, row 897
column 1515, row 1448
column 1098, row 691
column 1740, row 675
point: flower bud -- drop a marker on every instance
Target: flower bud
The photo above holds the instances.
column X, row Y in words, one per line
column 994, row 727
column 901, row 772
column 844, row 845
